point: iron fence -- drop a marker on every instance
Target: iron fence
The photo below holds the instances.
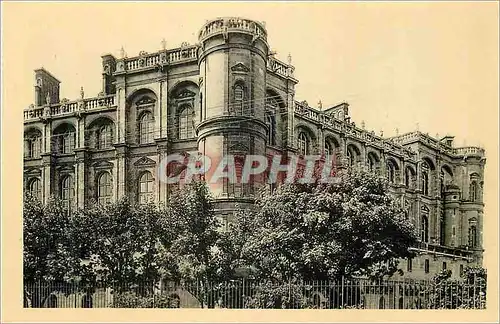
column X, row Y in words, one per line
column 347, row 293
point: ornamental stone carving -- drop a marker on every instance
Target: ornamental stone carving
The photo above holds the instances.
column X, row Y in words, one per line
column 120, row 66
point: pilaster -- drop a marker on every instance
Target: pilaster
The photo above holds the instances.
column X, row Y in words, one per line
column 80, row 176
column 121, row 113
column 47, row 146
column 46, row 177
column 161, row 187
column 120, row 184
column 162, row 122
column 290, row 140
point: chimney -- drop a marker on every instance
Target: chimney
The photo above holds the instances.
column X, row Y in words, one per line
column 108, row 68
column 448, row 140
column 46, row 88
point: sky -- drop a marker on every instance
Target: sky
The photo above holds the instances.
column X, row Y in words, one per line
column 431, row 66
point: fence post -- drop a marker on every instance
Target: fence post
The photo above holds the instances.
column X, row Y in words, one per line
column 243, row 294
column 475, row 289
column 342, row 293
column 153, row 293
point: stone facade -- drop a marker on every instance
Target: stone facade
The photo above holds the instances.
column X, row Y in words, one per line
column 228, row 94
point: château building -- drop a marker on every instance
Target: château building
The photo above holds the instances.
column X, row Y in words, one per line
column 229, row 94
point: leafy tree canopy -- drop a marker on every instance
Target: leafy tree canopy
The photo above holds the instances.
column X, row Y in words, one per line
column 326, row 231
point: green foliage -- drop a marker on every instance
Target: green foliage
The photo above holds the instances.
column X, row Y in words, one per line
column 469, row 292
column 324, row 232
column 195, row 252
column 327, row 231
column 122, row 241
column 133, row 300
column 47, row 254
column 191, row 219
column 48, row 249
column 271, row 296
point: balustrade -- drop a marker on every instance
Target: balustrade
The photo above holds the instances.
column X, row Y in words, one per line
column 278, row 67
column 470, row 150
column 225, row 24
column 70, row 107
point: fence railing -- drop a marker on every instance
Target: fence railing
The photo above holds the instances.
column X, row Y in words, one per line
column 353, row 293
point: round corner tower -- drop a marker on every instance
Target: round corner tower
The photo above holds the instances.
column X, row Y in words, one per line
column 232, row 62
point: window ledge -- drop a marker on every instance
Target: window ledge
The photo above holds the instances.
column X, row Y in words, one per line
column 107, row 149
column 190, row 139
column 144, row 144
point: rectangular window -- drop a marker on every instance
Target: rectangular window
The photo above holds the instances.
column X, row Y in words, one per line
column 444, row 265
column 409, row 265
column 426, row 266
column 461, row 269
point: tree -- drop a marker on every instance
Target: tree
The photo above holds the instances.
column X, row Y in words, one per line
column 48, row 253
column 328, row 231
column 123, row 242
column 195, row 252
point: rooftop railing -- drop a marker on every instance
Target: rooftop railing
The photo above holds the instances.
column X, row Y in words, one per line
column 220, row 25
column 181, row 54
column 437, row 144
column 69, row 107
column 276, row 66
column 302, row 109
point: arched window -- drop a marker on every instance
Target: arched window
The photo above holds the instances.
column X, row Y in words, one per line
column 441, row 183
column 67, row 192
column 67, row 142
column 353, row 156
column 473, row 191
column 425, row 229
column 391, row 172
column 105, row 137
column 186, row 127
column 146, row 128
column 87, row 301
column 35, row 188
column 381, row 302
column 33, row 145
column 104, row 188
column 442, row 228
column 63, row 139
column 52, row 302
column 371, row 164
column 303, row 143
column 239, row 97
column 408, row 177
column 473, row 236
column 425, row 183
column 425, row 178
column 350, row 158
column 146, row 182
column 328, row 149
column 271, row 124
